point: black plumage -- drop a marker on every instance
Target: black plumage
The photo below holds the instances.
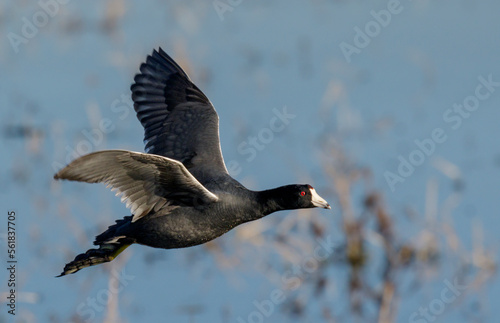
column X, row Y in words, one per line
column 179, row 192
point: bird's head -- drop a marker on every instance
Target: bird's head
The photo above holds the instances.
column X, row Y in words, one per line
column 303, row 196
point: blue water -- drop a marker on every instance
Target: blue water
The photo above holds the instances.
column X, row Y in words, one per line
column 75, row 72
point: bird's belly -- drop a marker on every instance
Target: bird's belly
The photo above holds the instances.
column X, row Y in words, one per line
column 179, row 230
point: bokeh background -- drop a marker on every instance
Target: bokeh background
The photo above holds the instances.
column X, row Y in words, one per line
column 422, row 249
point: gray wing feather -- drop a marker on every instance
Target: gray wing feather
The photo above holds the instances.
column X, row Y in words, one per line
column 146, row 182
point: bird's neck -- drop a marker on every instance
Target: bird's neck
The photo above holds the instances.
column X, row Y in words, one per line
column 271, row 201
column 260, row 204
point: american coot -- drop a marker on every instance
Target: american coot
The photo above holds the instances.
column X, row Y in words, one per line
column 179, row 192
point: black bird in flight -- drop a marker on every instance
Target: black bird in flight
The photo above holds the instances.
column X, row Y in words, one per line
column 179, row 192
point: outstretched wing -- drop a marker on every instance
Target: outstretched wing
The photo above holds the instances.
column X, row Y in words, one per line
column 146, row 182
column 179, row 121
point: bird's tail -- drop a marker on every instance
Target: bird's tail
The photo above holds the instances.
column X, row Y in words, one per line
column 109, row 244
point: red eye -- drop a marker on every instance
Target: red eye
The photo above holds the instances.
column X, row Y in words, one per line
column 302, row 193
